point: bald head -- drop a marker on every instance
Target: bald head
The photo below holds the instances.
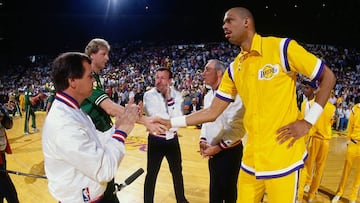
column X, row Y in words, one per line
column 243, row 13
column 239, row 26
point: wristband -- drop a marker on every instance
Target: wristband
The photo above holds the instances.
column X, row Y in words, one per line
column 202, row 140
column 178, row 122
column 170, row 102
column 314, row 113
column 120, row 135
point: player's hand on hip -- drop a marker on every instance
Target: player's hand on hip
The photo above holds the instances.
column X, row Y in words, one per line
column 292, row 132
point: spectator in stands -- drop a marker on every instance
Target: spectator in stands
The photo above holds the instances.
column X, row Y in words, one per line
column 345, row 119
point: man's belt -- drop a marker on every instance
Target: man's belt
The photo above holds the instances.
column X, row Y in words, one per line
column 162, row 135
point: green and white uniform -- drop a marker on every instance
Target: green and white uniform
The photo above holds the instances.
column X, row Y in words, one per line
column 29, row 111
column 91, row 106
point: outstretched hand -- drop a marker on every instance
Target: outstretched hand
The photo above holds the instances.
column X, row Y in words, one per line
column 293, row 131
column 126, row 121
column 164, row 122
column 154, row 127
column 151, row 126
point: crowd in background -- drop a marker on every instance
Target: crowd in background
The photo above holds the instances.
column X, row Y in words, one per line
column 132, row 66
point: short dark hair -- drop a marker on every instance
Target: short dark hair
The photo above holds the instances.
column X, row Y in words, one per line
column 67, row 65
column 165, row 69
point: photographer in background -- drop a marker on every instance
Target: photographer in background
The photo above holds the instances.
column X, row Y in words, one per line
column 7, row 188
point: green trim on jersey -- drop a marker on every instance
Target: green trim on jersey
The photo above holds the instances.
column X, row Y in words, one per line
column 90, row 105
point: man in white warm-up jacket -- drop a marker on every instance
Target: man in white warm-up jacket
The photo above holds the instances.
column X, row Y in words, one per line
column 78, row 160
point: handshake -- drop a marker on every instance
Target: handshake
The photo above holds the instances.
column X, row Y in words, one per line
column 133, row 113
column 156, row 125
column 160, row 125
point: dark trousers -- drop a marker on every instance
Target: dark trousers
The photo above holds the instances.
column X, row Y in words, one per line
column 29, row 111
column 224, row 170
column 17, row 109
column 109, row 196
column 7, row 188
column 158, row 148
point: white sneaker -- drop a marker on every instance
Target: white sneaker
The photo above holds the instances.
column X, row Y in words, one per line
column 311, row 200
column 306, row 188
column 352, row 201
column 35, row 130
column 335, row 199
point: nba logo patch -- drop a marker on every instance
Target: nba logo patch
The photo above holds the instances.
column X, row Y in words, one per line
column 86, row 194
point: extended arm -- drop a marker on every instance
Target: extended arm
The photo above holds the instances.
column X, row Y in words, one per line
column 205, row 115
column 116, row 110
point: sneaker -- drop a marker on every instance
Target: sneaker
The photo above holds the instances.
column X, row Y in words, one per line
column 335, row 199
column 35, row 130
column 352, row 201
column 26, row 133
column 298, row 201
column 311, row 200
column 306, row 188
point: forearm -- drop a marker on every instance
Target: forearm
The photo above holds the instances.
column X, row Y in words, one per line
column 201, row 116
column 111, row 108
column 205, row 115
column 327, row 82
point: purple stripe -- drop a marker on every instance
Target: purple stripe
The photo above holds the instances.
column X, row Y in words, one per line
column 171, row 103
column 286, row 44
column 223, row 98
column 276, row 175
column 69, row 100
column 247, row 171
column 281, row 174
column 120, row 132
column 320, row 70
column 229, row 73
column 119, row 138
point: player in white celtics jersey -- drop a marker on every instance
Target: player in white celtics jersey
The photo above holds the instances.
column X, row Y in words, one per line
column 264, row 75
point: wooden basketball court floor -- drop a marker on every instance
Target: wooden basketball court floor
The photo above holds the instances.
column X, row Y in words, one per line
column 27, row 157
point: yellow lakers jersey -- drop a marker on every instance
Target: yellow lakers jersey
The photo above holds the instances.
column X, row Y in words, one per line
column 265, row 80
column 354, row 123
